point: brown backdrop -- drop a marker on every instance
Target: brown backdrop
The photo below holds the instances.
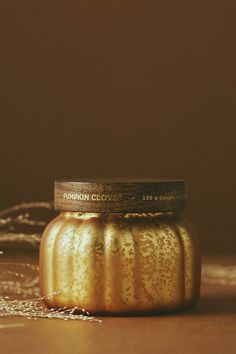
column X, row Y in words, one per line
column 121, row 89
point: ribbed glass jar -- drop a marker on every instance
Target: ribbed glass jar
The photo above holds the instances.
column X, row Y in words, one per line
column 120, row 262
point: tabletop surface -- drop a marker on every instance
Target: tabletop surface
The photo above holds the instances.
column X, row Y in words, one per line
column 209, row 328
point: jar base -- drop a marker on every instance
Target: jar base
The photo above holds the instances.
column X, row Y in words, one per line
column 170, row 310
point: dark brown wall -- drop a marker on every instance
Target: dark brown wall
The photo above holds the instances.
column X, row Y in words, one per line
column 124, row 89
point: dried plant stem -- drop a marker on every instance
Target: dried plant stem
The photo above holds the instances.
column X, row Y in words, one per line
column 25, row 206
column 20, row 219
column 18, row 238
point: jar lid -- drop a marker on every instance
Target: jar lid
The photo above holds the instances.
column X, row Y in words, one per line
column 120, row 195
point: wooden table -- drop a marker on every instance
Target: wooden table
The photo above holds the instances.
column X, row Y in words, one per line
column 209, row 328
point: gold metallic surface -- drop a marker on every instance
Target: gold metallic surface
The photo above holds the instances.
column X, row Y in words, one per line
column 109, row 263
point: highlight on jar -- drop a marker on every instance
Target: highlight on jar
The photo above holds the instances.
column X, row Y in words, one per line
column 120, row 247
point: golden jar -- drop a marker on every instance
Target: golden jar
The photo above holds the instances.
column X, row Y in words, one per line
column 120, row 247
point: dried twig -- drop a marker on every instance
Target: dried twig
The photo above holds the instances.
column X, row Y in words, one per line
column 24, row 206
column 20, row 238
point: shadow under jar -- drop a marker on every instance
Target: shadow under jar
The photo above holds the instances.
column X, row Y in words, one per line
column 120, row 247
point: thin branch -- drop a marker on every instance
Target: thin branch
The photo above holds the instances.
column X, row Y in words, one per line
column 33, row 239
column 9, row 222
column 24, row 206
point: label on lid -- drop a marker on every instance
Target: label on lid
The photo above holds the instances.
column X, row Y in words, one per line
column 120, row 195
